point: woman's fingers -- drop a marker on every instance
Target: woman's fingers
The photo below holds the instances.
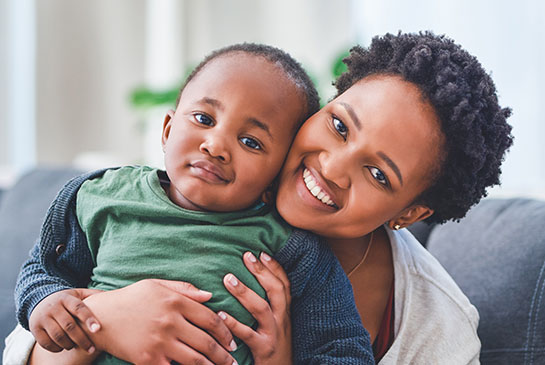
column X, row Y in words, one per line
column 192, row 346
column 187, row 289
column 272, row 278
column 240, row 330
column 205, row 319
column 257, row 306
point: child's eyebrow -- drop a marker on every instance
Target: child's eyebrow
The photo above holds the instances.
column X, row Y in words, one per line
column 260, row 125
column 213, row 102
column 217, row 104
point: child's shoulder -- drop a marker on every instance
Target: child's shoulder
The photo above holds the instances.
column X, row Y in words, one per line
column 118, row 181
column 118, row 177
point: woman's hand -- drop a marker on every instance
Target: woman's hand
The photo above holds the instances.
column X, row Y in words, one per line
column 271, row 343
column 159, row 321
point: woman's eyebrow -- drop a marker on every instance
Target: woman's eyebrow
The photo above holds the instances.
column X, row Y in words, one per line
column 392, row 165
column 352, row 114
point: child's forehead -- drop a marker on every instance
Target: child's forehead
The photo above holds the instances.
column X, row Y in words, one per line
column 251, row 84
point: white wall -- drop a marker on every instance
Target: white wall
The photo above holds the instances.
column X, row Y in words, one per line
column 90, row 54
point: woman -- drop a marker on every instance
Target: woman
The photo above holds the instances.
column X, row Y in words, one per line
column 415, row 133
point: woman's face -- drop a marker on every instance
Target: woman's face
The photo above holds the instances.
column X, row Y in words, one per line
column 361, row 160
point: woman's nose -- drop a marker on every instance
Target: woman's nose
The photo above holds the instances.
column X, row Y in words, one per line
column 333, row 168
column 215, row 146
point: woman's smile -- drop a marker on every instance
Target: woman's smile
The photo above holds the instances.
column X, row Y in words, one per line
column 316, row 189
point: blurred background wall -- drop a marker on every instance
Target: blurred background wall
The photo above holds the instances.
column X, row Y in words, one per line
column 68, row 68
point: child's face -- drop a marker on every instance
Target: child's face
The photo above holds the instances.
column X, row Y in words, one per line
column 230, row 133
column 368, row 154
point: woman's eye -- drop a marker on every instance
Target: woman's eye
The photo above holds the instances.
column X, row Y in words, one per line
column 250, row 142
column 204, row 119
column 340, row 127
column 378, row 175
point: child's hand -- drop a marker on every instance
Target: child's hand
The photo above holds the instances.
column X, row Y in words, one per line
column 56, row 321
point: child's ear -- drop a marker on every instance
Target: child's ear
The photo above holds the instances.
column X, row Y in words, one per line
column 269, row 195
column 410, row 215
column 167, row 124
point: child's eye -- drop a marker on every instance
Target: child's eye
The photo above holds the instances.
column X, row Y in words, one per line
column 204, row 119
column 250, row 142
column 340, row 127
column 379, row 176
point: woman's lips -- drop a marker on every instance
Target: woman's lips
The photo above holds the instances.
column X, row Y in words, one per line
column 207, row 171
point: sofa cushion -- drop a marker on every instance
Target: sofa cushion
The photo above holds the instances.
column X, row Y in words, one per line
column 497, row 256
column 22, row 210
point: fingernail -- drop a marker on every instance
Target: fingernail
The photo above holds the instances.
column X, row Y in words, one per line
column 222, row 315
column 265, row 257
column 251, row 257
column 205, row 292
column 93, row 327
column 233, row 346
column 232, row 280
column 235, row 362
column 91, row 349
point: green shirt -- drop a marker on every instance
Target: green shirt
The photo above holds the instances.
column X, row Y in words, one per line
column 135, row 232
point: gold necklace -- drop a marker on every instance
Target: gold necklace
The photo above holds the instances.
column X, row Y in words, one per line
column 364, row 256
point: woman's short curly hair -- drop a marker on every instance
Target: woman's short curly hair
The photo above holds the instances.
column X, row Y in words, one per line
column 474, row 125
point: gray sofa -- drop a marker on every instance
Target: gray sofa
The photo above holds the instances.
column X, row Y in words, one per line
column 496, row 254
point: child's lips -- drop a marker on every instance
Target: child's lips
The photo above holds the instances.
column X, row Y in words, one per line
column 209, row 171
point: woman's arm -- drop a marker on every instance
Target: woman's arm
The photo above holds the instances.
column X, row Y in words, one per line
column 154, row 322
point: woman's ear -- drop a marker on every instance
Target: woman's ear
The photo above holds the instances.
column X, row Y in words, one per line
column 167, row 124
column 410, row 215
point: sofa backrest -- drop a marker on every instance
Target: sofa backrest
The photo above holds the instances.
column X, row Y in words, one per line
column 496, row 254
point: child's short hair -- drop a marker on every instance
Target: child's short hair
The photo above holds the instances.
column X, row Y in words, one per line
column 464, row 97
column 291, row 68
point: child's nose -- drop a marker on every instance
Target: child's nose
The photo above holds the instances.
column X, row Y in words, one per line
column 216, row 147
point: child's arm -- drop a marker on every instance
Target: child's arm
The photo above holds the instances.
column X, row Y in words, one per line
column 59, row 262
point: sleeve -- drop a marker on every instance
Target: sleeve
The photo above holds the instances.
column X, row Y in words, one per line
column 60, row 259
column 19, row 345
column 326, row 326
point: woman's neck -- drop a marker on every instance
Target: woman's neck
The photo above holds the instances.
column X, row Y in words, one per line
column 349, row 251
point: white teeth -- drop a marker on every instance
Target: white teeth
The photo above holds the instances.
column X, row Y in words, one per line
column 315, row 189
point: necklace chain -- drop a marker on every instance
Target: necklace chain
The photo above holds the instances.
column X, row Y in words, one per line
column 364, row 256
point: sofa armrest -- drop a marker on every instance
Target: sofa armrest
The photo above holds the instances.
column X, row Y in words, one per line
column 22, row 209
